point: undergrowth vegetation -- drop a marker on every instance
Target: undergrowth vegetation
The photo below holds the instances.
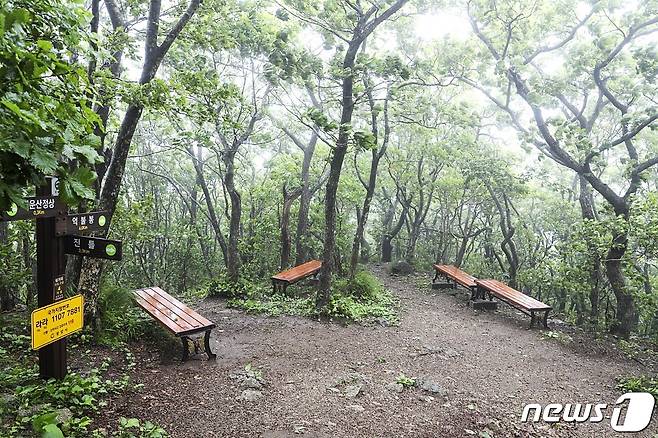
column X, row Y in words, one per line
column 100, row 367
column 640, row 384
column 361, row 299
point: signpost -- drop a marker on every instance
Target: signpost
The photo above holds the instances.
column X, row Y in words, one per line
column 58, row 234
column 37, row 207
column 82, row 223
column 93, row 246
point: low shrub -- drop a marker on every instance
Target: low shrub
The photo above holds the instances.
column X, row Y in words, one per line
column 406, row 382
column 639, row 384
column 222, row 287
column 59, row 407
column 401, row 268
column 362, row 298
column 275, row 305
column 120, row 318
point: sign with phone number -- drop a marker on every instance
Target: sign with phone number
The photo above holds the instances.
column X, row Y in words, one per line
column 56, row 321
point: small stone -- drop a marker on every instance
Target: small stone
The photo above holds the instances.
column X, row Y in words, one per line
column 7, row 399
column 353, row 390
column 395, row 387
column 63, row 415
column 30, row 410
column 250, row 395
column 434, row 388
column 251, row 383
column 356, row 408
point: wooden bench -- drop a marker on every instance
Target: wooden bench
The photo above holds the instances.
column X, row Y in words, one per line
column 284, row 279
column 457, row 276
column 514, row 298
column 176, row 317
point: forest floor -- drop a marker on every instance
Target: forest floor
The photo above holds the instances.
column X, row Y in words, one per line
column 321, row 379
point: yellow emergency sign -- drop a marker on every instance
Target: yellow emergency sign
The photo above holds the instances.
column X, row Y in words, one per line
column 56, row 321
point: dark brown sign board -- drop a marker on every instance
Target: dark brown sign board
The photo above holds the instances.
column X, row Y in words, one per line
column 93, row 247
column 38, row 207
column 58, row 288
column 82, row 223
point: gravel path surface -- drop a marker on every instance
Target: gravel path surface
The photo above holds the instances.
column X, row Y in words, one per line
column 320, row 379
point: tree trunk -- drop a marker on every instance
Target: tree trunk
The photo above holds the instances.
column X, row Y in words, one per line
column 377, row 154
column 29, row 263
column 389, row 235
column 90, row 273
column 586, row 201
column 336, row 166
column 234, row 262
column 361, row 31
column 212, row 214
column 627, row 316
column 7, row 298
column 461, row 251
column 288, row 199
column 301, row 249
column 365, row 252
column 363, row 217
column 387, row 248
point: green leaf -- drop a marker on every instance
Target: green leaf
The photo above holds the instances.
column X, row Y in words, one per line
column 88, row 152
column 13, row 107
column 52, row 431
column 131, row 423
column 44, row 45
column 17, row 16
column 44, row 160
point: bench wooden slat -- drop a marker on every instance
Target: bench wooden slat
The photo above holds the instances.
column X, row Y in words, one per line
column 164, row 313
column 298, row 272
column 192, row 317
column 505, row 292
column 180, row 317
column 174, row 315
column 456, row 274
column 162, row 318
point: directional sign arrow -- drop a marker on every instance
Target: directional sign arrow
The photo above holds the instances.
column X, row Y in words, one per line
column 93, row 247
column 37, row 207
column 82, row 223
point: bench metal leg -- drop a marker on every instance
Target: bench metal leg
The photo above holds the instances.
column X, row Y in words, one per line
column 546, row 319
column 276, row 286
column 279, row 287
column 206, row 344
column 436, row 277
column 532, row 319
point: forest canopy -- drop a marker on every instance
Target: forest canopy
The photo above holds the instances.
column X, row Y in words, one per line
column 233, row 139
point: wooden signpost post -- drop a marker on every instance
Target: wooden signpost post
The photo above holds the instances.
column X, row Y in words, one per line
column 57, row 234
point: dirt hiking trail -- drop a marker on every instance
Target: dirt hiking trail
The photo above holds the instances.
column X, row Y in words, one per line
column 474, row 370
